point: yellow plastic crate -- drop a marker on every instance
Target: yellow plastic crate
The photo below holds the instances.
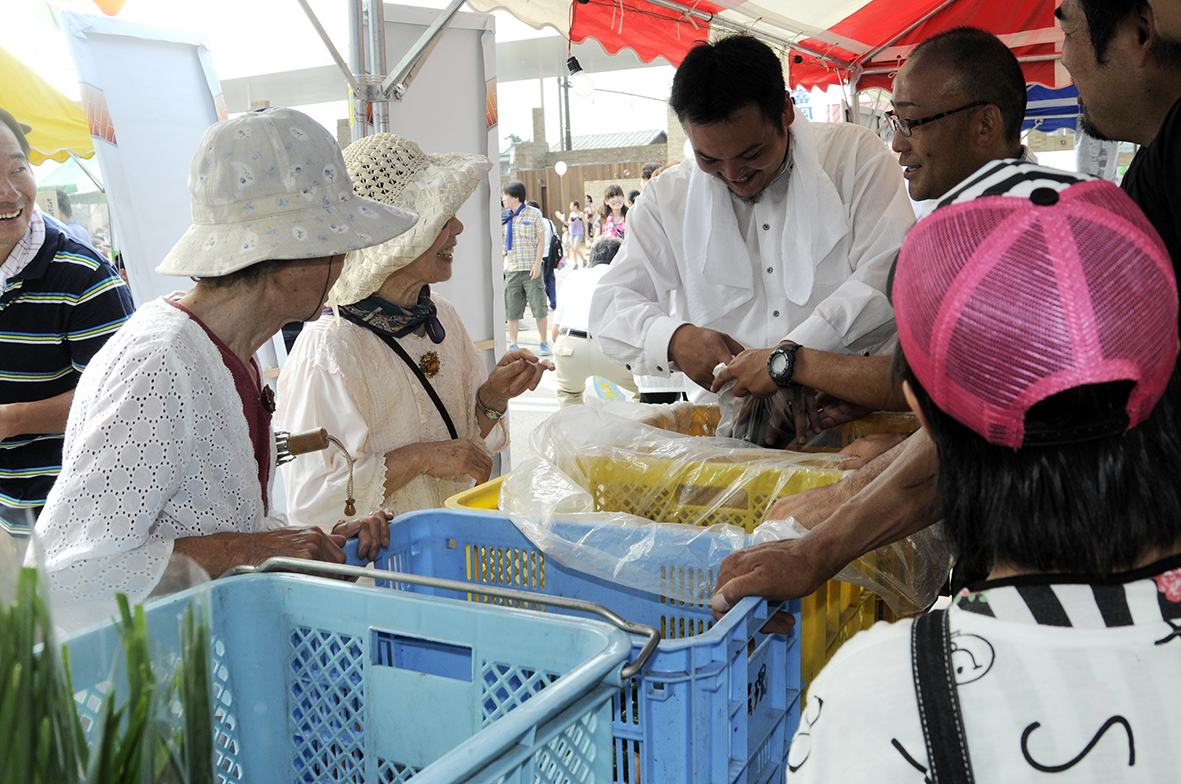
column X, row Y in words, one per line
column 702, row 420
column 679, row 491
column 483, row 497
column 830, row 616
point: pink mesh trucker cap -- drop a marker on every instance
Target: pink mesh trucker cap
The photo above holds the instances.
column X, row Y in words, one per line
column 1005, row 300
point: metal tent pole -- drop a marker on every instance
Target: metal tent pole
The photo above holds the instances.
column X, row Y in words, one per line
column 360, row 104
column 375, row 62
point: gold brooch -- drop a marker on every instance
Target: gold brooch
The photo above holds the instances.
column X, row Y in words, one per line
column 429, row 364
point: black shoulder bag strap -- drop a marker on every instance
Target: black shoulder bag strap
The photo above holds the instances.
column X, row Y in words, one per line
column 389, row 341
column 939, row 702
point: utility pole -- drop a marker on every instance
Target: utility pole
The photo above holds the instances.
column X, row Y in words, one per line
column 567, row 138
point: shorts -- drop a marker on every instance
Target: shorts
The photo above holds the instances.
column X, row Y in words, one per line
column 519, row 288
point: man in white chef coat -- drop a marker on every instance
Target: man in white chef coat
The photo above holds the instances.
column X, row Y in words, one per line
column 778, row 229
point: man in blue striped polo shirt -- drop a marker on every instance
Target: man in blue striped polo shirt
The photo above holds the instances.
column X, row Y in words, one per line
column 59, row 302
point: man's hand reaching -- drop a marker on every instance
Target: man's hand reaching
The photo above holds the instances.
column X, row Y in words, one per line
column 780, row 570
column 697, row 351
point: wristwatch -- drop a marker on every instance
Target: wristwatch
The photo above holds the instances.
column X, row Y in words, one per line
column 491, row 413
column 781, row 365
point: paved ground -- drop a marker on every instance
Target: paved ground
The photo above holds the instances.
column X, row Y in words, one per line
column 532, row 408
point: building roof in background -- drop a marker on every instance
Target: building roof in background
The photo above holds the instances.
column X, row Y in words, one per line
column 600, row 141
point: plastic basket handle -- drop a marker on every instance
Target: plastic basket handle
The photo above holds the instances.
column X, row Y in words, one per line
column 629, row 670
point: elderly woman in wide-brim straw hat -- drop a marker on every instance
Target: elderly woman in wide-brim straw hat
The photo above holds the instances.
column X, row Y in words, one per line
column 169, row 448
column 369, row 376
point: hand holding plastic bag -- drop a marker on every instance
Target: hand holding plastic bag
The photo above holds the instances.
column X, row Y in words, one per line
column 610, row 472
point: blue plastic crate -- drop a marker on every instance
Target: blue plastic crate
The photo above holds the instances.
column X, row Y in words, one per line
column 716, row 703
column 323, row 681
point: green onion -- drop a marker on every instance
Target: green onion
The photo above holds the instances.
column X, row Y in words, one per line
column 136, row 742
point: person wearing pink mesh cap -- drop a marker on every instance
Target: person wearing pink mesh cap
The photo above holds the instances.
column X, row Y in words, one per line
column 1037, row 335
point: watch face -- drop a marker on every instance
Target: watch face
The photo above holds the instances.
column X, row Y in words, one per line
column 778, row 363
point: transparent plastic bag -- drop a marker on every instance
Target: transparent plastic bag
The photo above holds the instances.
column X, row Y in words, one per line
column 770, row 423
column 906, row 574
column 600, row 467
column 150, row 720
column 38, row 720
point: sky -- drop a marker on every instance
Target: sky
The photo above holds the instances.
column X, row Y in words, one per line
column 250, row 37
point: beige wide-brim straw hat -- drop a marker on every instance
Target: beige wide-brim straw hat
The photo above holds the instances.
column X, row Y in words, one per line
column 272, row 184
column 394, row 170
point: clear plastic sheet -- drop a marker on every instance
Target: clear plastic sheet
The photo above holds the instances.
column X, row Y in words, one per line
column 601, row 466
column 770, row 422
column 906, row 574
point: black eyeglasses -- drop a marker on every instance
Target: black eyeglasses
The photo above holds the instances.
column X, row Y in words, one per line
column 906, row 127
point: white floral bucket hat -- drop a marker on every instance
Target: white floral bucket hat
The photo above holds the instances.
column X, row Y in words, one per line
column 272, row 184
column 395, row 171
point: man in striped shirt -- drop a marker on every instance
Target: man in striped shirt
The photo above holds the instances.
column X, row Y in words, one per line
column 59, row 302
column 524, row 249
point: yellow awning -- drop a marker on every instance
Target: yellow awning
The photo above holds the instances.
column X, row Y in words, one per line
column 59, row 124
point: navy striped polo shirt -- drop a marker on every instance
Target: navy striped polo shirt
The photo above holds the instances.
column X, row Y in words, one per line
column 54, row 316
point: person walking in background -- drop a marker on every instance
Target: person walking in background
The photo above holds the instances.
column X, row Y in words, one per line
column 648, row 172
column 576, row 225
column 593, row 227
column 524, row 249
column 576, row 357
column 66, row 211
column 549, row 262
column 613, row 214
column 632, row 195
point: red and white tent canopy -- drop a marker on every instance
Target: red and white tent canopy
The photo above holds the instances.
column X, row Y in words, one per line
column 858, row 42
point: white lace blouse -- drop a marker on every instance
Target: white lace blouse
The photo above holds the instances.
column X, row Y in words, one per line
column 157, row 448
column 344, row 378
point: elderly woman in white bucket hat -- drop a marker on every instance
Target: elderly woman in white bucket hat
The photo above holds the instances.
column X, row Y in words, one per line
column 397, row 377
column 169, row 448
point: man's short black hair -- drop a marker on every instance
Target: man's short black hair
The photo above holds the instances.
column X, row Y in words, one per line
column 17, row 131
column 646, row 172
column 988, row 71
column 632, row 195
column 1103, row 20
column 516, row 189
column 603, row 251
column 63, row 204
column 717, row 79
column 1096, row 507
column 533, row 204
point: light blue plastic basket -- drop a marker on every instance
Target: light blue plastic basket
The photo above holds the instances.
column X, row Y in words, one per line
column 322, row 681
column 716, row 703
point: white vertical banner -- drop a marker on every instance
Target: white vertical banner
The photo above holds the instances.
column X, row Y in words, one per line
column 495, row 257
column 451, row 107
column 149, row 94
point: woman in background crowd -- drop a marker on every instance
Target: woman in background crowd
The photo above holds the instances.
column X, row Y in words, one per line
column 613, row 214
column 576, row 225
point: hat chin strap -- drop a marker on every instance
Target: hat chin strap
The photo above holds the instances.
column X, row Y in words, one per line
column 324, row 293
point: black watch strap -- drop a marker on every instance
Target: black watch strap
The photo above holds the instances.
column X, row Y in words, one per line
column 787, row 350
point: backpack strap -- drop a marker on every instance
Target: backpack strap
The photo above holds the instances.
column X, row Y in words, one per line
column 938, row 700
